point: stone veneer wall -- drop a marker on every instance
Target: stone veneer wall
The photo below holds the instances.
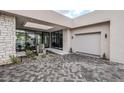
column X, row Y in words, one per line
column 7, row 38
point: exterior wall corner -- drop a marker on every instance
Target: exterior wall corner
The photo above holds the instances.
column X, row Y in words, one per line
column 7, row 38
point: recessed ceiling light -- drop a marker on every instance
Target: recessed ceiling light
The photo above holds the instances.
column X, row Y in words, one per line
column 39, row 26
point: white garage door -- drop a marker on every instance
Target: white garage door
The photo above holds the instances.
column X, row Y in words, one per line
column 88, row 43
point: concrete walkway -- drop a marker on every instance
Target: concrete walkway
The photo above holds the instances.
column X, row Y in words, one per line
column 60, row 52
column 66, row 68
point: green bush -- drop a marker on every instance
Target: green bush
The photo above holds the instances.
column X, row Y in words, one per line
column 44, row 56
column 30, row 54
column 14, row 59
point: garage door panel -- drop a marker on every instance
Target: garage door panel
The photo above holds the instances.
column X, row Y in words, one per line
column 88, row 43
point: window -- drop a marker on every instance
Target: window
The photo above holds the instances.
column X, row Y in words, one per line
column 30, row 40
column 57, row 40
column 20, row 41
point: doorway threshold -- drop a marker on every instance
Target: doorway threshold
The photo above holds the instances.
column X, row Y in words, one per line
column 60, row 52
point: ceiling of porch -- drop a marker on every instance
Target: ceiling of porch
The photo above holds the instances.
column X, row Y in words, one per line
column 36, row 25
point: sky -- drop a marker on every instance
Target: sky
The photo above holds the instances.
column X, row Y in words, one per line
column 73, row 13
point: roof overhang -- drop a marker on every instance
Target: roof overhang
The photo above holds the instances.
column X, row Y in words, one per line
column 43, row 15
column 56, row 20
column 25, row 22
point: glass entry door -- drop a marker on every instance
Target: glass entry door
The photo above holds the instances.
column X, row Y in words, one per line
column 57, row 40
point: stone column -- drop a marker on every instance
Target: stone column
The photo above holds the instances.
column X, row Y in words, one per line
column 7, row 38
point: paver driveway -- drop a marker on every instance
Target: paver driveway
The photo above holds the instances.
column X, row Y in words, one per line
column 67, row 68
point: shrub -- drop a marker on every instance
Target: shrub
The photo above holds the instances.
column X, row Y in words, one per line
column 30, row 54
column 44, row 56
column 14, row 59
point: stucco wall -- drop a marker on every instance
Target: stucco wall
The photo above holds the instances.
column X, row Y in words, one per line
column 7, row 38
column 116, row 39
column 66, row 40
column 103, row 28
column 116, row 18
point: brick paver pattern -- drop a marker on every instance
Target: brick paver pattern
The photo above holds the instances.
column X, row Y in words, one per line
column 67, row 68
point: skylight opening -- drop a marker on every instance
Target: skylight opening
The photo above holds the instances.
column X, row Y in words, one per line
column 74, row 13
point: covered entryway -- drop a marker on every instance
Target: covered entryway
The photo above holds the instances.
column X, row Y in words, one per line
column 88, row 43
column 34, row 32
